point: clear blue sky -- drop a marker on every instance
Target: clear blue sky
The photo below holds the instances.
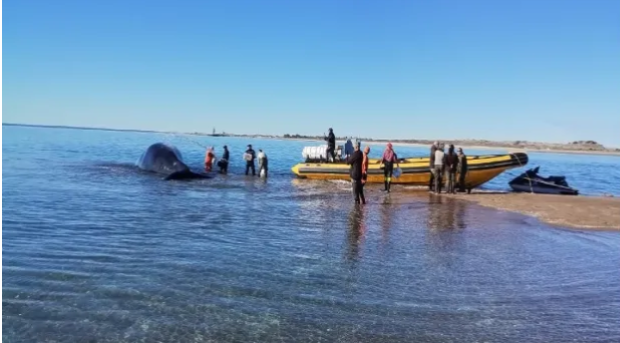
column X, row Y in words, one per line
column 546, row 70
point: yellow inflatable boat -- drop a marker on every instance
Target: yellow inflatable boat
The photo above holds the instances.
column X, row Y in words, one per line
column 416, row 170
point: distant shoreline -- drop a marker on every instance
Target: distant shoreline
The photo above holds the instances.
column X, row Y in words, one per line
column 579, row 149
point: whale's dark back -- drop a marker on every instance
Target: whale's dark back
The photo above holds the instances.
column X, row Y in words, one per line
column 163, row 159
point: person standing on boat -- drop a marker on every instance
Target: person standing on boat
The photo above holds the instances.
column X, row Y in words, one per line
column 431, row 182
column 262, row 163
column 331, row 145
column 223, row 162
column 249, row 157
column 440, row 162
column 388, row 160
column 452, row 161
column 461, row 169
column 356, row 161
column 209, row 158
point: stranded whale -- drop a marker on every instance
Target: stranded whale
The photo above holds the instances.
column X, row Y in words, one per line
column 165, row 159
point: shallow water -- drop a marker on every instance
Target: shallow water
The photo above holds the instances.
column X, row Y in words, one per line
column 96, row 251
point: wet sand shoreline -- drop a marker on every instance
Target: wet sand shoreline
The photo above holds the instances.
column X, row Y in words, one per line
column 578, row 212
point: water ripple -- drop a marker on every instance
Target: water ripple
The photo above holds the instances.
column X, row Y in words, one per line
column 97, row 251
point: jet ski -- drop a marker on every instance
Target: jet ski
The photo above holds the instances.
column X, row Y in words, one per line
column 531, row 182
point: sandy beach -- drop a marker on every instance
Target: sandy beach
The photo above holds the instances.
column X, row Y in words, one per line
column 570, row 211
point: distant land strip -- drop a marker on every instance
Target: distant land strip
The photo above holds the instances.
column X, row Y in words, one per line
column 587, row 147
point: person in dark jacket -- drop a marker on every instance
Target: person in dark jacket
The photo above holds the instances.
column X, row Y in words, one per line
column 461, row 169
column 223, row 162
column 331, row 145
column 431, row 182
column 249, row 157
column 348, row 148
column 356, row 161
column 452, row 161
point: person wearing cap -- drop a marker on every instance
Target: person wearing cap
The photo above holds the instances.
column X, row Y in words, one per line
column 209, row 158
column 388, row 160
column 249, row 158
column 262, row 163
column 331, row 145
column 461, row 169
column 356, row 161
column 431, row 182
column 223, row 162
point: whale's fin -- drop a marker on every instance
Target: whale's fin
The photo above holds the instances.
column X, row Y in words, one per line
column 186, row 175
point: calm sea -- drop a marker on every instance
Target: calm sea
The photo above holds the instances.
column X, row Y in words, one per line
column 96, row 251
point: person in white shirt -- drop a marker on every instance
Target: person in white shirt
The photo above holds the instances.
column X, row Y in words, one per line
column 440, row 162
column 262, row 163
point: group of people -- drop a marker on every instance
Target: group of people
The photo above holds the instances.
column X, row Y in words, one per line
column 359, row 169
column 455, row 164
column 249, row 156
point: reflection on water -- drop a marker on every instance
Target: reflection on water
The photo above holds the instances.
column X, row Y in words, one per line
column 445, row 214
column 111, row 255
column 355, row 232
column 385, row 221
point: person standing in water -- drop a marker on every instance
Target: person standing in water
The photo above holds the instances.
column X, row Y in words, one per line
column 461, row 169
column 223, row 162
column 356, row 161
column 249, row 157
column 388, row 160
column 452, row 161
column 209, row 158
column 262, row 163
column 331, row 145
column 440, row 159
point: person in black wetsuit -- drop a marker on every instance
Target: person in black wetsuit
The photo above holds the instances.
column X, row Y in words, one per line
column 331, row 145
column 223, row 162
column 431, row 182
column 356, row 160
column 452, row 164
column 461, row 170
column 249, row 157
